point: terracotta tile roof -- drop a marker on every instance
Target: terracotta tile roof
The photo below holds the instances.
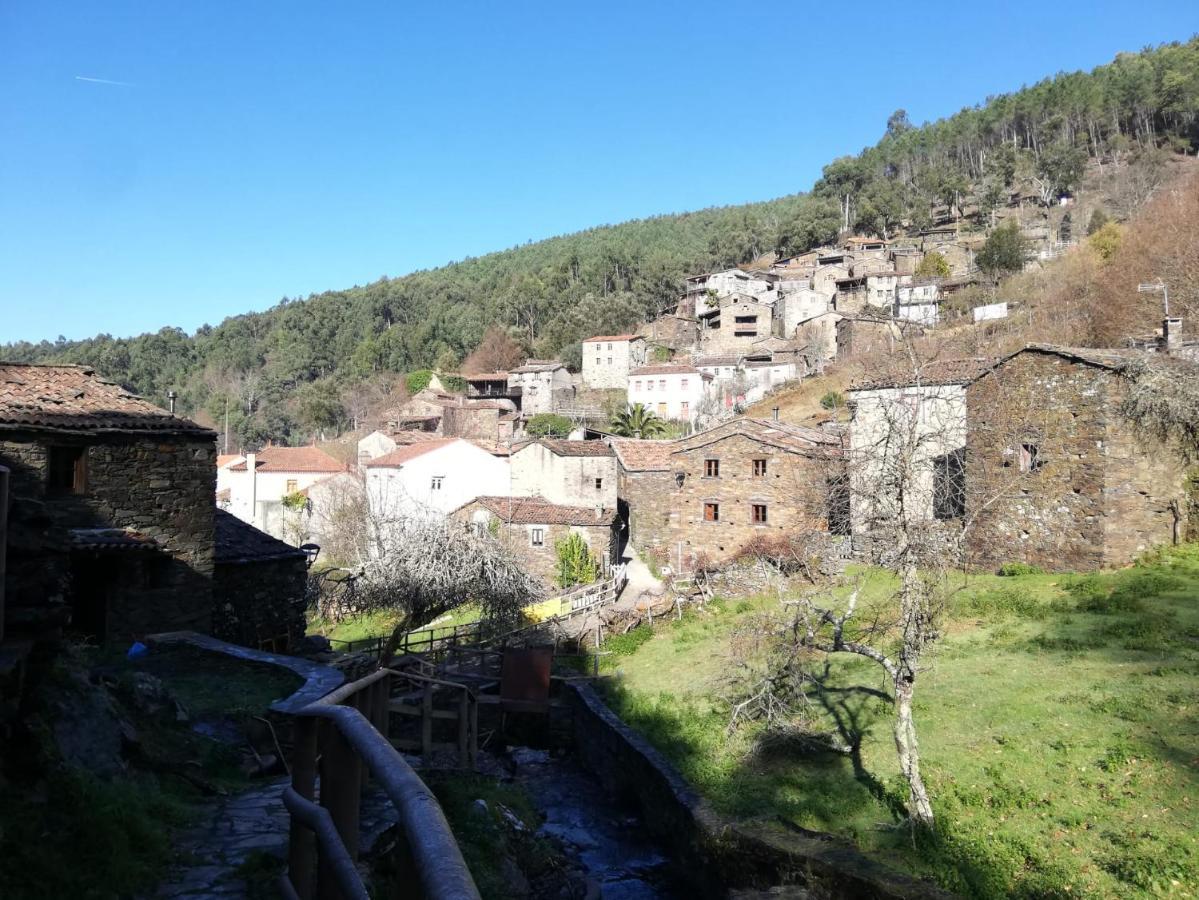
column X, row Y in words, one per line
column 415, row 437
column 611, row 337
column 539, row 511
column 75, row 398
column 784, row 436
column 224, row 495
column 666, row 370
column 576, row 448
column 223, row 459
column 936, row 373
column 643, row 456
column 409, row 452
column 240, row 542
column 492, row 447
column 291, row 459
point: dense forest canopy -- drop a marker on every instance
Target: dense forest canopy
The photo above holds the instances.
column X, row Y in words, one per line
column 305, row 366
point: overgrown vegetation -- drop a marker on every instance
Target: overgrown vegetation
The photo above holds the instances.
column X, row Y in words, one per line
column 1056, row 723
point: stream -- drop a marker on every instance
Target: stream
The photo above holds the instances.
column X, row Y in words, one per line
column 604, row 837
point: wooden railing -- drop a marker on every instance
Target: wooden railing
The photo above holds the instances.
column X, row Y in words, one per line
column 416, row 695
column 344, row 735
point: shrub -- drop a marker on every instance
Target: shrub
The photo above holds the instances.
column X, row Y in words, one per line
column 627, row 644
column 1006, row 603
column 549, row 425
column 576, row 563
column 833, row 400
column 1019, row 568
column 417, row 381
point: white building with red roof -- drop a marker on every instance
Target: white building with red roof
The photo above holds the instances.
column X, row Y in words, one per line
column 253, row 487
column 608, row 359
column 670, row 391
column 433, row 477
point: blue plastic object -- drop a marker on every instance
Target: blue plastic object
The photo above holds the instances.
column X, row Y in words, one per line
column 137, row 651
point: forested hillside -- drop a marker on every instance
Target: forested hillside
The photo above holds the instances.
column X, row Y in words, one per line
column 308, row 365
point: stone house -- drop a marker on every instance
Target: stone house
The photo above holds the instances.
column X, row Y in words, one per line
column 826, row 276
column 429, row 479
column 544, row 386
column 670, row 391
column 259, row 483
column 918, row 302
column 568, row 473
column 674, row 331
column 111, row 508
column 1057, row 476
column 608, row 359
column 734, row 324
column 532, row 527
column 746, row 479
column 859, row 336
column 819, row 335
column 258, row 587
column 491, row 386
column 732, row 281
column 908, row 432
column 645, row 483
column 795, row 307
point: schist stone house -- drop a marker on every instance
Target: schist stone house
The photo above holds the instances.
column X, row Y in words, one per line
column 733, row 324
column 111, row 517
column 544, row 386
column 1070, row 483
column 532, row 527
column 745, row 479
column 645, row 486
column 431, row 478
column 608, row 359
column 570, row 473
column 258, row 587
column 671, row 391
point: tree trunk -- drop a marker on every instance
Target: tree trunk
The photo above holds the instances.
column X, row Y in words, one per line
column 919, row 808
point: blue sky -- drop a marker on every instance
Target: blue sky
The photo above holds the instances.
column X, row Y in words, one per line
column 250, row 151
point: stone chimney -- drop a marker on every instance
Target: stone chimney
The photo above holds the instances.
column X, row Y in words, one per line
column 775, row 413
column 599, row 511
column 1171, row 334
column 252, row 474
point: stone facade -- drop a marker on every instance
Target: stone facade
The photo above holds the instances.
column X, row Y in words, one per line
column 1067, row 482
column 768, row 480
column 569, row 473
column 645, row 484
column 66, row 559
column 735, row 325
column 608, row 359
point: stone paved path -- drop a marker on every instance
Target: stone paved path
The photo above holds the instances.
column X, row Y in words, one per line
column 230, row 829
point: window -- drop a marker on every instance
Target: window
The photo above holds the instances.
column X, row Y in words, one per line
column 636, row 385
column 1030, row 458
column 758, row 468
column 949, row 485
column 599, row 484
column 661, row 384
column 711, row 468
column 436, row 482
column 662, row 409
column 683, row 384
column 745, row 320
column 292, row 486
column 66, row 470
column 649, row 385
column 686, row 411
column 609, row 347
column 536, row 537
column 609, row 360
column 758, row 511
column 711, row 512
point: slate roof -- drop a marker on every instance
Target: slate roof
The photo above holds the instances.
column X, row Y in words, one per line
column 539, row 511
column 718, row 361
column 611, row 337
column 538, row 365
column 291, row 459
column 111, row 539
column 643, row 456
column 784, row 436
column 487, row 376
column 937, row 373
column 239, row 542
column 75, row 398
column 666, row 370
column 576, row 448
column 409, row 452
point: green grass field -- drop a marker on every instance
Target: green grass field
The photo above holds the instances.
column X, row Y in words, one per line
column 1058, row 721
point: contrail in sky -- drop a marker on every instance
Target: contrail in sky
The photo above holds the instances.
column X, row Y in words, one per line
column 103, row 81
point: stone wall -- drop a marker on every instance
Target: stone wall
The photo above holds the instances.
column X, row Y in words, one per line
column 260, row 603
column 793, row 490
column 1100, row 492
column 646, row 497
column 160, row 486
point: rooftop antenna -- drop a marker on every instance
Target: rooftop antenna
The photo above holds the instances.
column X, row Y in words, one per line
column 1156, row 287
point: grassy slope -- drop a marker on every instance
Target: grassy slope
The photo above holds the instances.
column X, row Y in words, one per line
column 1057, row 723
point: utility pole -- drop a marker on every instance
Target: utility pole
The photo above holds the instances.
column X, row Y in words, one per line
column 226, row 424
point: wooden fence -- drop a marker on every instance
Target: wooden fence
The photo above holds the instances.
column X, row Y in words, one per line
column 346, row 732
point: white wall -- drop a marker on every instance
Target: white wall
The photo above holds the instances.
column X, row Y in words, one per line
column 271, row 488
column 670, row 396
column 408, row 490
column 565, row 480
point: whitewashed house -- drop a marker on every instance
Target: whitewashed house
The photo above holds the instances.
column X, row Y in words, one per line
column 568, row 473
column 670, row 391
column 918, row 303
column 608, row 359
column 258, row 483
column 432, row 478
column 733, row 281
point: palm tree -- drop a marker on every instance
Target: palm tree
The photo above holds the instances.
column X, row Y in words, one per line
column 638, row 422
